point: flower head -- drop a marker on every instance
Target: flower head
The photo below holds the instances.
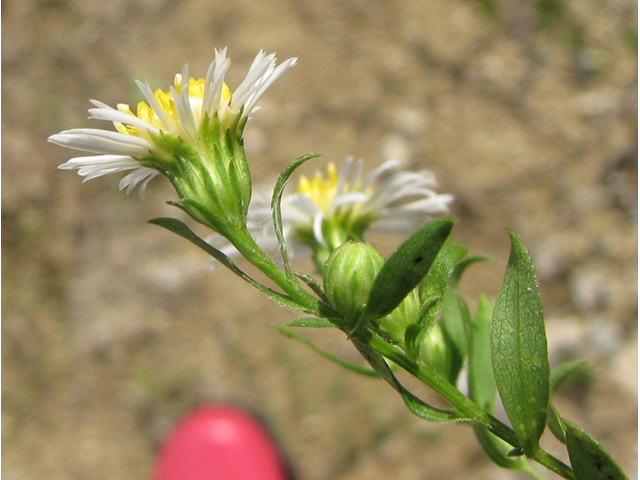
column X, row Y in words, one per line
column 191, row 133
column 330, row 209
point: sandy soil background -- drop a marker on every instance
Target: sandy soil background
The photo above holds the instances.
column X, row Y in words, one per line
column 113, row 329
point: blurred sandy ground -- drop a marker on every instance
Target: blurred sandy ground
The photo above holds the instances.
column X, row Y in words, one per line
column 112, row 328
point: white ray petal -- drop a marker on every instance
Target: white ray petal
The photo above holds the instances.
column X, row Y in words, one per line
column 266, row 83
column 153, row 103
column 102, row 142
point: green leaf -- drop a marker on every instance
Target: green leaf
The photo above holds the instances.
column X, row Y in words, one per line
column 571, row 370
column 519, row 349
column 588, row 459
column 313, row 284
column 311, row 322
column 276, row 209
column 482, row 384
column 456, row 319
column 417, row 406
column 404, row 270
column 435, row 282
column 496, row 449
column 367, row 372
column 176, row 226
column 556, row 425
column 416, row 332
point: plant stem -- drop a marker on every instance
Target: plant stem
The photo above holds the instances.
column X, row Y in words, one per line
column 463, row 404
column 245, row 244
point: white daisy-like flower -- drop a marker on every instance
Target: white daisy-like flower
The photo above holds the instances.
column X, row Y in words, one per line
column 326, row 211
column 145, row 141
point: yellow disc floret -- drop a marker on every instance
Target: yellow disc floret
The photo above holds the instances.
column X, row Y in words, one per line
column 167, row 105
column 321, row 190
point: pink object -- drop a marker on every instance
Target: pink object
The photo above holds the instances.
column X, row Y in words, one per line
column 219, row 443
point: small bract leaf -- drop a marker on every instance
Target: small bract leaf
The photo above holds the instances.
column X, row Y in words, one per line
column 276, row 209
column 406, row 267
column 311, row 322
column 519, row 349
column 367, row 372
column 588, row 459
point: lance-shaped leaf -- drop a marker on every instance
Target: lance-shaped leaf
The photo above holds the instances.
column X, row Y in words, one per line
column 405, row 268
column 455, row 312
column 519, row 349
column 588, row 459
column 276, row 209
column 435, row 282
column 482, row 384
column 417, row 406
column 367, row 372
column 176, row 226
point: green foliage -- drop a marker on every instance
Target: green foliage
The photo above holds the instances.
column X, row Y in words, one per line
column 417, row 406
column 176, row 226
column 519, row 349
column 276, row 201
column 589, row 460
column 367, row 372
column 482, row 384
column 405, row 269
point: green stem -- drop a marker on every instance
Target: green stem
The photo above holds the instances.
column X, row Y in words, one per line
column 246, row 245
column 463, row 404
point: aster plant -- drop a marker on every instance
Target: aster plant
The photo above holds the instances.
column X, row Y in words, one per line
column 403, row 313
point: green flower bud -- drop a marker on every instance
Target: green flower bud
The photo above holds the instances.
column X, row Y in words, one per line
column 348, row 277
column 435, row 351
column 404, row 315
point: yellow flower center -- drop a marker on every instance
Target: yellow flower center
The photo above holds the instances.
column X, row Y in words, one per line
column 321, row 190
column 167, row 104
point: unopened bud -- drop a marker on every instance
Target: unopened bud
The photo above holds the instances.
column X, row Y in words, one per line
column 348, row 277
column 436, row 352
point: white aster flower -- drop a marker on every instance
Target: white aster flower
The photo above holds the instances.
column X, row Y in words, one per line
column 146, row 140
column 326, row 211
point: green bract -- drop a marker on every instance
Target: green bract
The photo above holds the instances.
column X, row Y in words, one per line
column 211, row 176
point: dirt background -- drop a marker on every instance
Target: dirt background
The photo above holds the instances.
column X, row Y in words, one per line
column 112, row 329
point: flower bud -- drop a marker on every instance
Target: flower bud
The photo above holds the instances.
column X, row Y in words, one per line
column 405, row 314
column 435, row 351
column 349, row 273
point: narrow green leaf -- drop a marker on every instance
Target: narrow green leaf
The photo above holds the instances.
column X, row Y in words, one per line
column 496, row 449
column 367, row 372
column 482, row 384
column 406, row 267
column 416, row 332
column 466, row 263
column 417, row 406
column 456, row 321
column 176, row 226
column 313, row 284
column 435, row 282
column 311, row 322
column 519, row 349
column 588, row 459
column 556, row 425
column 571, row 370
column 276, row 209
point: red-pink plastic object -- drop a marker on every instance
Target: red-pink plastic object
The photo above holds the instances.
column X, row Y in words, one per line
column 219, row 443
